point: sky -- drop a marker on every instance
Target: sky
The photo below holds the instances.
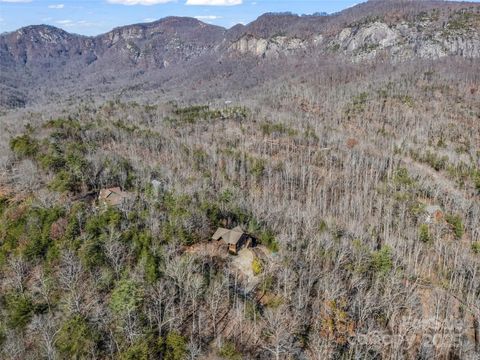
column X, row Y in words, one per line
column 92, row 17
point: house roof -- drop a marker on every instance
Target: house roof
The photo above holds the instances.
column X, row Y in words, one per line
column 113, row 196
column 231, row 237
column 219, row 233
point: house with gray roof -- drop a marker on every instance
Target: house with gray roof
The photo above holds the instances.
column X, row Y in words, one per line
column 235, row 238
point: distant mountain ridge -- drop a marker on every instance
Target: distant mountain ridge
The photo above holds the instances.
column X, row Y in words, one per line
column 42, row 55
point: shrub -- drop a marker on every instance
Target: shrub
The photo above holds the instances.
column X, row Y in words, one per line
column 436, row 162
column 424, row 233
column 476, row 180
column 416, row 209
column 257, row 168
column 212, row 211
column 382, row 261
column 407, row 100
column 192, row 114
column 257, row 266
column 20, row 310
column 236, row 112
column 3, row 336
column 176, row 205
column 199, row 156
column 176, row 232
column 69, row 127
column 229, row 352
column 3, row 204
column 98, row 223
column 24, row 146
column 360, row 99
column 175, row 346
column 178, row 210
column 126, row 297
column 91, row 252
column 117, row 171
column 75, row 222
column 310, row 134
column 277, row 129
column 226, row 196
column 12, row 228
column 251, row 310
column 322, row 227
column 476, row 247
column 140, row 350
column 76, row 338
column 455, row 222
column 52, row 160
column 402, row 177
column 38, row 230
column 151, row 266
column 462, row 21
column 267, row 238
column 65, row 181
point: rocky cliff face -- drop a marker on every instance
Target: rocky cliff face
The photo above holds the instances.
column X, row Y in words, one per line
column 405, row 41
column 428, row 37
column 160, row 43
column 43, row 46
column 274, row 46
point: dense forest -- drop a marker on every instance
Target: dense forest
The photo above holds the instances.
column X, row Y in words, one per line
column 358, row 180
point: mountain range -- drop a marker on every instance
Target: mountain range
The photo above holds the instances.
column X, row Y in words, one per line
column 42, row 63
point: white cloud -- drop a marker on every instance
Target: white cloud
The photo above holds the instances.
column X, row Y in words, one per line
column 214, row 2
column 58, row 6
column 77, row 24
column 149, row 19
column 16, row 1
column 207, row 17
column 139, row 2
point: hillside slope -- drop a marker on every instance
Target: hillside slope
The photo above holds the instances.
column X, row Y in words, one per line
column 345, row 147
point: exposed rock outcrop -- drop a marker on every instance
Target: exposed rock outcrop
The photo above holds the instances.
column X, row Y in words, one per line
column 460, row 36
column 272, row 47
column 404, row 41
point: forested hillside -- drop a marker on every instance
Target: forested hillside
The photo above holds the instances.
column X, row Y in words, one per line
column 357, row 176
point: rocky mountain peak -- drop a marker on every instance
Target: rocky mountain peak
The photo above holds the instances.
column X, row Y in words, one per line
column 38, row 34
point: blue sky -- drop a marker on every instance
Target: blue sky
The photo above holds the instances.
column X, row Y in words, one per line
column 91, row 17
